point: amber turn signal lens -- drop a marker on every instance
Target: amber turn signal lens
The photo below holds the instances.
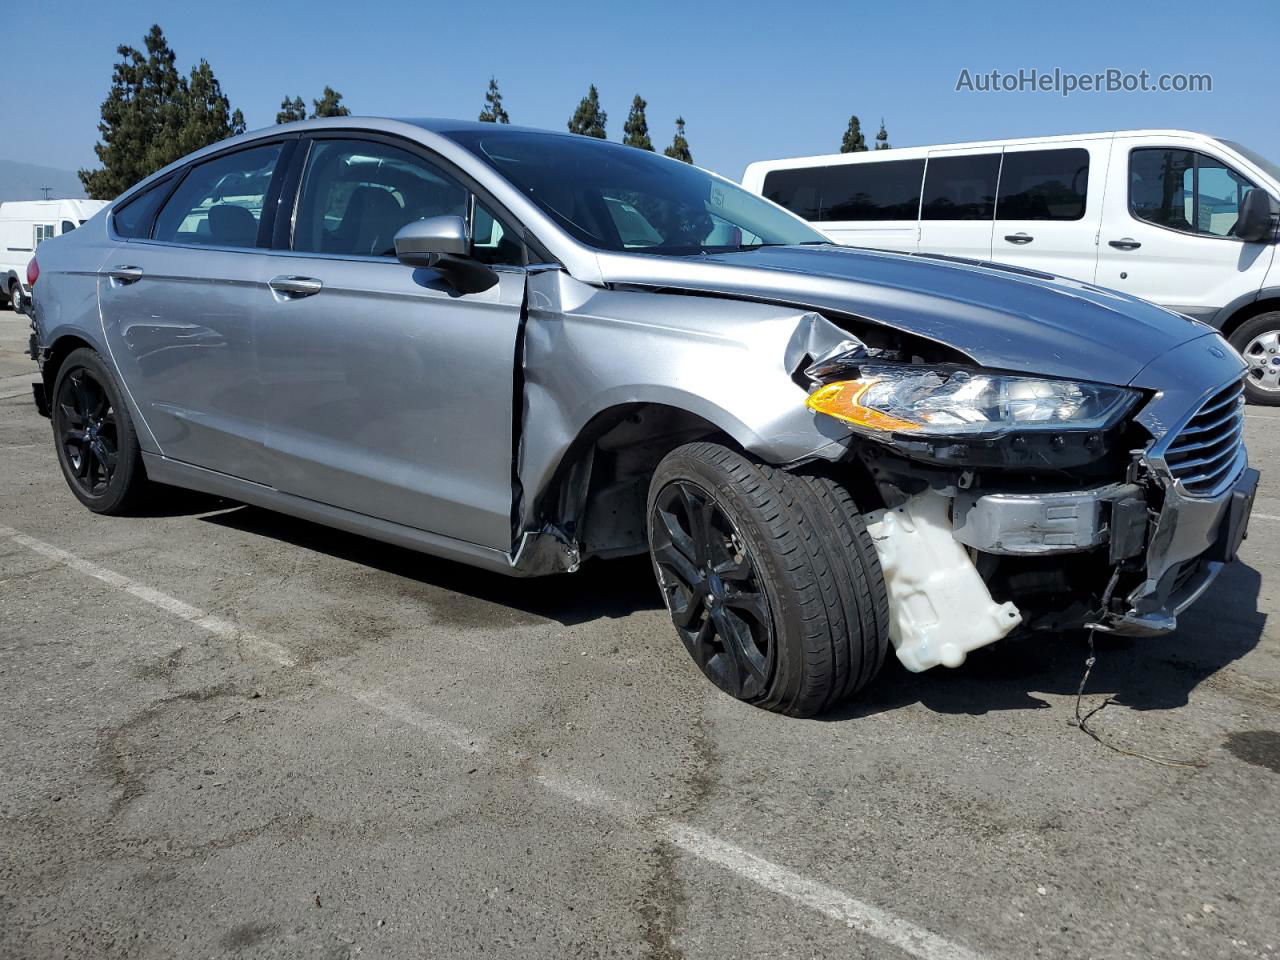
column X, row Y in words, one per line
column 843, row 400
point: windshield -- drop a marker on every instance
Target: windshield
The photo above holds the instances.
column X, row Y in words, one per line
column 1258, row 160
column 615, row 197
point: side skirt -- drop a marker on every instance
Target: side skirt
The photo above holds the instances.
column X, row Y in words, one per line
column 178, row 474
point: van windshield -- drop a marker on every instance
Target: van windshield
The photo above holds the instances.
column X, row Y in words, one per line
column 1269, row 167
column 615, row 197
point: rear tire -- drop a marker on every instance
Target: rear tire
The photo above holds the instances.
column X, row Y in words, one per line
column 96, row 443
column 1258, row 341
column 771, row 579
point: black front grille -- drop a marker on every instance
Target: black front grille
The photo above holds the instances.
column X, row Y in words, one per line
column 1203, row 454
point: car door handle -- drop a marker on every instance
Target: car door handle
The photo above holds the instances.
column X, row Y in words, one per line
column 1128, row 243
column 125, row 274
column 1019, row 238
column 292, row 288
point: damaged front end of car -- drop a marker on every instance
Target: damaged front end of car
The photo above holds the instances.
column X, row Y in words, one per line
column 1012, row 500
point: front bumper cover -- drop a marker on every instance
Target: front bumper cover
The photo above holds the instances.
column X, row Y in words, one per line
column 1180, row 545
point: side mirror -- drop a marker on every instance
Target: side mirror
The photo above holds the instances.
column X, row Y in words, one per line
column 443, row 244
column 1256, row 223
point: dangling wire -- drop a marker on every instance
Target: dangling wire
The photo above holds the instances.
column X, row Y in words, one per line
column 1083, row 721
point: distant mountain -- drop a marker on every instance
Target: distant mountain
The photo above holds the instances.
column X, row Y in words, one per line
column 22, row 181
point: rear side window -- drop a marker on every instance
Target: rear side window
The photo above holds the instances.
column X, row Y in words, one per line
column 219, row 202
column 1184, row 190
column 1043, row 185
column 798, row 190
column 961, row 188
column 133, row 220
column 884, row 190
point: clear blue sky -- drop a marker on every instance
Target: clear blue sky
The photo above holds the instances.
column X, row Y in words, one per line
column 753, row 80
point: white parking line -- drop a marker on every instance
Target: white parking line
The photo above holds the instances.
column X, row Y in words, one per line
column 853, row 913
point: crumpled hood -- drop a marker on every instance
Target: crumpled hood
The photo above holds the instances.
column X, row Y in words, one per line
column 1002, row 317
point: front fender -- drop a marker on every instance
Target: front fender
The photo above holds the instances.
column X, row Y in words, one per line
column 732, row 363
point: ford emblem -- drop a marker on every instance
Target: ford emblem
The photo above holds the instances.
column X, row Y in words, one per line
column 1217, row 353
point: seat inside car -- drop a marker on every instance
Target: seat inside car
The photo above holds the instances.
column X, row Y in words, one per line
column 369, row 224
column 232, row 226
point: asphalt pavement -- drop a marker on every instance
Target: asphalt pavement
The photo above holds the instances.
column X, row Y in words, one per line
column 231, row 733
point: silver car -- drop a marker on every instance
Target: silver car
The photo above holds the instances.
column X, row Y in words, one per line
column 524, row 350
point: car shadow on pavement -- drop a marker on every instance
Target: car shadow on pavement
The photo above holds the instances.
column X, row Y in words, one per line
column 601, row 589
column 1142, row 674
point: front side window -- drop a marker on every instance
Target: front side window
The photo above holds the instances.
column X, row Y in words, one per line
column 614, row 197
column 1184, row 190
column 68, row 226
column 877, row 190
column 219, row 202
column 356, row 195
column 1043, row 185
column 960, row 188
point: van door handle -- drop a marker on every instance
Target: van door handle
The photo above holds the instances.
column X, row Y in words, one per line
column 294, row 288
column 124, row 274
column 1128, row 243
column 1019, row 238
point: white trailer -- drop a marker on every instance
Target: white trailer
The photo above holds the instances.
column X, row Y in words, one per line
column 24, row 225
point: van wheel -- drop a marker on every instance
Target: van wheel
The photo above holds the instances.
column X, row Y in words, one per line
column 15, row 297
column 1258, row 341
column 770, row 577
column 93, row 432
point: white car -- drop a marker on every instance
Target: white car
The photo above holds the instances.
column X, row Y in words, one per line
column 1160, row 214
column 24, row 225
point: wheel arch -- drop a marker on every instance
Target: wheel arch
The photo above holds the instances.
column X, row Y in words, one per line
column 1267, row 302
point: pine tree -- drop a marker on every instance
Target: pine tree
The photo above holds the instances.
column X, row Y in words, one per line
column 679, row 148
column 153, row 115
column 209, row 115
column 329, row 105
column 291, row 110
column 882, row 138
column 854, row 141
column 589, row 119
column 493, row 111
column 636, row 130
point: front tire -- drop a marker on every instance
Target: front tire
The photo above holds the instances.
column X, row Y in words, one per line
column 94, row 435
column 1258, row 341
column 15, row 297
column 770, row 577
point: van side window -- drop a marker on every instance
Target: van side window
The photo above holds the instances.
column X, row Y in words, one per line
column 875, row 190
column 43, row 232
column 960, row 188
column 68, row 226
column 797, row 190
column 1043, row 185
column 1184, row 190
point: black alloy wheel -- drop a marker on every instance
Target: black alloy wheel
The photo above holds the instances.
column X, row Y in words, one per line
column 88, row 431
column 717, row 602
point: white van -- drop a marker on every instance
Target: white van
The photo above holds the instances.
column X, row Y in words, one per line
column 1166, row 215
column 24, row 225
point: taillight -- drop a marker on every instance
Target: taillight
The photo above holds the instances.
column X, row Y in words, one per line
column 33, row 273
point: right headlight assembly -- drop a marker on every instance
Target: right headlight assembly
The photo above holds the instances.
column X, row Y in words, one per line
column 929, row 401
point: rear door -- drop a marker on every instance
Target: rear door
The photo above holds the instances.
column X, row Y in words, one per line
column 388, row 392
column 1049, row 207
column 178, row 295
column 958, row 208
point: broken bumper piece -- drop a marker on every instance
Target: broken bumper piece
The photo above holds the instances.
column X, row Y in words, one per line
column 1168, row 546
